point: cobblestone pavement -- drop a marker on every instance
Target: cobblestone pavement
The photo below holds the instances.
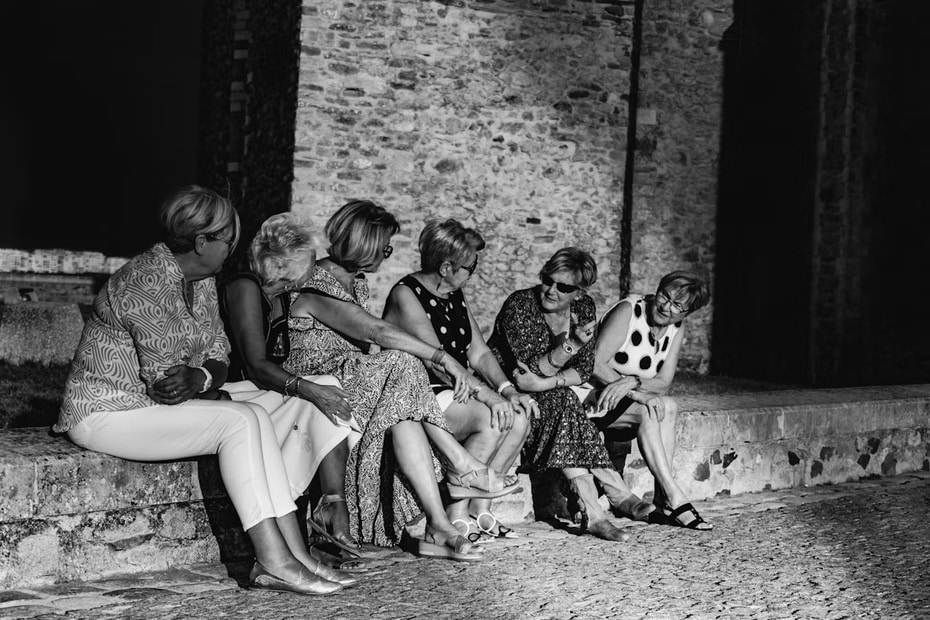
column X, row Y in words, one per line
column 857, row 550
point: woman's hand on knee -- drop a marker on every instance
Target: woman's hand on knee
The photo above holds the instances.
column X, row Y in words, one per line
column 333, row 402
column 614, row 392
column 525, row 404
column 501, row 413
column 655, row 408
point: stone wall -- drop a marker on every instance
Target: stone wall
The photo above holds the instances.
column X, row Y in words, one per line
column 509, row 116
column 677, row 148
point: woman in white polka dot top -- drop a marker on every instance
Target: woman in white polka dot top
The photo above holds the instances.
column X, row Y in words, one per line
column 634, row 364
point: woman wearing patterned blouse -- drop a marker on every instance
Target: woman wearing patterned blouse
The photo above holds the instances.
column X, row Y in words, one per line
column 634, row 364
column 430, row 304
column 544, row 336
column 144, row 385
column 332, row 332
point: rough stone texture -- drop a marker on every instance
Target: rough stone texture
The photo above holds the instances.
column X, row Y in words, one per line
column 44, row 332
column 84, row 514
column 746, row 443
column 677, row 150
column 856, row 550
column 509, row 116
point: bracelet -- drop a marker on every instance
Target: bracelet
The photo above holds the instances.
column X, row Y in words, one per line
column 559, row 380
column 549, row 359
column 208, row 381
column 503, row 386
column 437, row 355
column 291, row 380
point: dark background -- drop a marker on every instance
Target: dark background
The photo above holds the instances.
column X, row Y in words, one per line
column 98, row 119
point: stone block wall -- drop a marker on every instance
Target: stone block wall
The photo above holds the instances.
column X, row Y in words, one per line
column 509, row 116
column 676, row 152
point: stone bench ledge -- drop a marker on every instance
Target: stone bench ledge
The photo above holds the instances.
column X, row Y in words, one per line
column 47, row 476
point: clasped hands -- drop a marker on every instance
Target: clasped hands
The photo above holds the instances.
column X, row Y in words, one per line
column 180, row 383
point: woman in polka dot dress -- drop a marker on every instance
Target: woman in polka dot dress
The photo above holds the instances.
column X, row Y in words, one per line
column 634, row 364
column 430, row 304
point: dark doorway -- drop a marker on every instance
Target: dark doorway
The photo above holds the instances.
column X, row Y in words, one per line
column 98, row 119
column 823, row 211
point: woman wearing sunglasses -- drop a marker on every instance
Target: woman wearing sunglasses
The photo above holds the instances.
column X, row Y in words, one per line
column 332, row 332
column 634, row 364
column 430, row 304
column 544, row 336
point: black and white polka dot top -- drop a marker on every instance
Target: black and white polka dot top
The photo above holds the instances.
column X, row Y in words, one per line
column 449, row 317
column 640, row 354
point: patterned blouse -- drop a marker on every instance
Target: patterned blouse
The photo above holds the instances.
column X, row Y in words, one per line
column 140, row 327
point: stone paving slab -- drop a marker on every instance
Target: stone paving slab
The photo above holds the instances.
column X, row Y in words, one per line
column 854, row 550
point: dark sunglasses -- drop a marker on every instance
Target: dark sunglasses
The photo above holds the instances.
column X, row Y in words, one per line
column 387, row 250
column 560, row 286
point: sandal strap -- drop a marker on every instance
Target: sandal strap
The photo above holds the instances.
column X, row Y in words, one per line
column 687, row 507
column 486, row 530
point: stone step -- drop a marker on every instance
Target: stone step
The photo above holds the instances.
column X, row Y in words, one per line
column 69, row 514
column 741, row 443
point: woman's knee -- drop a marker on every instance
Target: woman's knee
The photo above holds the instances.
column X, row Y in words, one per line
column 521, row 427
column 671, row 410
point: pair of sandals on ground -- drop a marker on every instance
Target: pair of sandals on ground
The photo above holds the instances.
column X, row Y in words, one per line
column 478, row 484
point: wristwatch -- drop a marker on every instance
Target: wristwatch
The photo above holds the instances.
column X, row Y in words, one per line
column 568, row 347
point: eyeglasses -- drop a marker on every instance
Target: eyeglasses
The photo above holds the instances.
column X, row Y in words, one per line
column 677, row 307
column 229, row 242
column 562, row 287
column 387, row 250
column 471, row 268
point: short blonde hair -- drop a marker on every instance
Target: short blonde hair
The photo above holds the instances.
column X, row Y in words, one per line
column 682, row 285
column 280, row 250
column 195, row 210
column 447, row 241
column 574, row 260
column 357, row 234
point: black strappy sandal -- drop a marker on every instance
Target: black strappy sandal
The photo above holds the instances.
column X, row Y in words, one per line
column 672, row 518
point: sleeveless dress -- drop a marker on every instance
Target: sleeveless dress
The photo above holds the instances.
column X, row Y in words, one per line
column 449, row 318
column 641, row 355
column 563, row 437
column 277, row 343
column 304, row 434
column 384, row 388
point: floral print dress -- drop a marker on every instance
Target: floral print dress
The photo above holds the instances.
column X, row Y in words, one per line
column 563, row 437
column 384, row 388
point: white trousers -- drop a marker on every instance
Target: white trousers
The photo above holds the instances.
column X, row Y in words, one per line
column 240, row 432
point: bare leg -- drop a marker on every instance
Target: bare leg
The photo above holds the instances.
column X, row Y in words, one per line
column 273, row 553
column 332, row 476
column 470, row 424
column 415, row 459
column 596, row 520
column 293, row 538
column 507, row 452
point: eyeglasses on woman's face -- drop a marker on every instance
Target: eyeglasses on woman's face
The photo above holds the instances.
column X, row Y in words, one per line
column 562, row 287
column 387, row 250
column 230, row 244
column 677, row 307
column 471, row 268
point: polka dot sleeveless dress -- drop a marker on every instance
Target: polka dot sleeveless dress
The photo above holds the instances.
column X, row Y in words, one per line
column 641, row 354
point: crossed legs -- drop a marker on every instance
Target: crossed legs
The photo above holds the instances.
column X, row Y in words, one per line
column 497, row 449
